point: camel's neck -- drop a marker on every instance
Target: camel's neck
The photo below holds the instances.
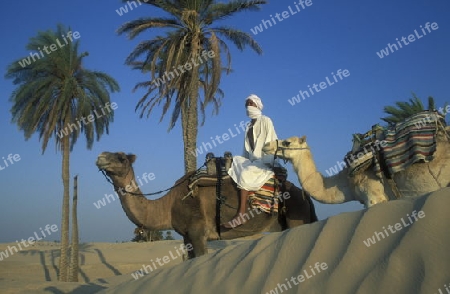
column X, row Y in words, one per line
column 152, row 214
column 334, row 189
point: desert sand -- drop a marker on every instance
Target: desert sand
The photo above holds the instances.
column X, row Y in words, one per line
column 409, row 252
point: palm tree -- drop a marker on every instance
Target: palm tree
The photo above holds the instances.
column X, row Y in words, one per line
column 54, row 95
column 187, row 59
column 403, row 110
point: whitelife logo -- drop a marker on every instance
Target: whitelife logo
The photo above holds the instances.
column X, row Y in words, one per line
column 53, row 47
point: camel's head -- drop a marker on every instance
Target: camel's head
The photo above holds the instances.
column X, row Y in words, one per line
column 118, row 163
column 286, row 149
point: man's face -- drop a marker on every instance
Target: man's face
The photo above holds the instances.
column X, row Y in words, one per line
column 250, row 103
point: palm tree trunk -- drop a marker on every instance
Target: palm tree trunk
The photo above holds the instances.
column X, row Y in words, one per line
column 184, row 127
column 74, row 267
column 191, row 133
column 63, row 261
column 192, row 114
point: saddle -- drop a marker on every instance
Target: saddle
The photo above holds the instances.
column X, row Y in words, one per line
column 215, row 172
column 213, row 169
column 390, row 150
column 365, row 150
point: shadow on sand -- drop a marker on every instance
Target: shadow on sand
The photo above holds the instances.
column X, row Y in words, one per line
column 54, row 255
column 83, row 289
column 108, row 265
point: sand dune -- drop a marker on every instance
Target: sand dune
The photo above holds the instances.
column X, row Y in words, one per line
column 409, row 252
column 103, row 265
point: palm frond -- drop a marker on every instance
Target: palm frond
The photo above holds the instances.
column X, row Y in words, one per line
column 52, row 89
column 403, row 110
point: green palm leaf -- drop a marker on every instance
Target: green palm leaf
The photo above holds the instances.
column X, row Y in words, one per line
column 403, row 110
column 188, row 33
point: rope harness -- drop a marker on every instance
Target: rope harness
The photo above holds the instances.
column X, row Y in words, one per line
column 285, row 146
column 143, row 194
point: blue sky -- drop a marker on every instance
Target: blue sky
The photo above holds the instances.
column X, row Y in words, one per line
column 304, row 48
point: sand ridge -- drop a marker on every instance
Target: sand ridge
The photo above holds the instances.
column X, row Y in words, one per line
column 329, row 256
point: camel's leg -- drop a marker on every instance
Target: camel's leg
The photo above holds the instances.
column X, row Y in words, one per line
column 298, row 208
column 188, row 244
column 197, row 238
column 369, row 189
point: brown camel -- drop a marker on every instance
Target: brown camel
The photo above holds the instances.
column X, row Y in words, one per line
column 194, row 217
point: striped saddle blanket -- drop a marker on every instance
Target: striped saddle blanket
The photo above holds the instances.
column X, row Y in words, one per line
column 411, row 141
column 265, row 199
column 406, row 143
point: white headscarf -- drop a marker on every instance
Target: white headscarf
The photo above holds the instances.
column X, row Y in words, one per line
column 257, row 101
column 252, row 111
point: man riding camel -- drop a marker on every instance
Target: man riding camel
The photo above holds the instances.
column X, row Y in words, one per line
column 254, row 168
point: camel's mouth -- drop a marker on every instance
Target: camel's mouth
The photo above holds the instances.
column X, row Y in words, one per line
column 102, row 163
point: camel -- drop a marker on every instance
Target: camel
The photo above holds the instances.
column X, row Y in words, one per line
column 194, row 217
column 365, row 187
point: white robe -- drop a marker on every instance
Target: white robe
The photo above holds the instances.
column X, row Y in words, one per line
column 252, row 170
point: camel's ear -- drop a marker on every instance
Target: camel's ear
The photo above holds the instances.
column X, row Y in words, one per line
column 131, row 158
column 302, row 139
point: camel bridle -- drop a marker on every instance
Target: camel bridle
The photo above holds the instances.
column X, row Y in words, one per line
column 282, row 148
column 123, row 189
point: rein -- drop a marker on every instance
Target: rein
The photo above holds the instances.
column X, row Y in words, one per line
column 143, row 194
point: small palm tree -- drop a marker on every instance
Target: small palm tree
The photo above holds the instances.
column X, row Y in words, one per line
column 403, row 110
column 54, row 94
column 187, row 59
